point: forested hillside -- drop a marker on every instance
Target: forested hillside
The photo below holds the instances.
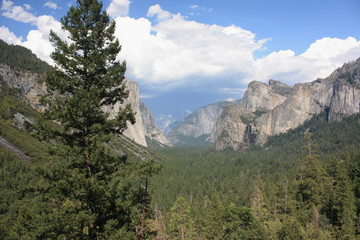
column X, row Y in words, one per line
column 21, row 57
column 301, row 185
column 69, row 173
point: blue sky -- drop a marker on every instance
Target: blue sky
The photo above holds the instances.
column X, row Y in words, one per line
column 189, row 53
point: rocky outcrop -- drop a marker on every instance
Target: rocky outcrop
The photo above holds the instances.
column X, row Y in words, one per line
column 152, row 132
column 31, row 84
column 135, row 132
column 236, row 127
column 346, row 98
column 261, row 96
column 32, row 88
column 257, row 117
column 304, row 101
column 198, row 126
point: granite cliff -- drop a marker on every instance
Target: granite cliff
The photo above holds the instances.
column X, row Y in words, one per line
column 198, row 127
column 274, row 108
column 135, row 132
column 31, row 88
column 152, row 131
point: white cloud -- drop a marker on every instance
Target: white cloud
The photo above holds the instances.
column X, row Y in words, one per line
column 318, row 61
column 8, row 36
column 37, row 40
column 156, row 10
column 327, row 48
column 176, row 50
column 6, row 4
column 118, row 8
column 39, row 44
column 198, row 8
column 18, row 13
column 52, row 5
column 27, row 6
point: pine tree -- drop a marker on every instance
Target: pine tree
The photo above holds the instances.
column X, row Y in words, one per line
column 86, row 78
column 343, row 209
column 212, row 217
column 93, row 194
column 181, row 225
column 312, row 183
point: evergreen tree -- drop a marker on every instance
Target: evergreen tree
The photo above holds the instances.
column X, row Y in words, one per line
column 291, row 230
column 311, row 184
column 87, row 77
column 93, row 194
column 343, row 209
column 212, row 217
column 181, row 225
column 240, row 223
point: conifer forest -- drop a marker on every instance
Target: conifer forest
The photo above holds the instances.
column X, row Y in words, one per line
column 66, row 172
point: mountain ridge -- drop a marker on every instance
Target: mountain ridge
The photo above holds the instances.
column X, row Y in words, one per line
column 338, row 95
column 31, row 85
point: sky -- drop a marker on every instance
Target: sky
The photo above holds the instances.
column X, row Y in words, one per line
column 189, row 53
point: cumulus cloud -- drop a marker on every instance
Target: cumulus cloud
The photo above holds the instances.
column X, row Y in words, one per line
column 9, row 36
column 18, row 13
column 37, row 40
column 156, row 10
column 175, row 50
column 118, row 8
column 318, row 61
column 51, row 5
column 27, row 6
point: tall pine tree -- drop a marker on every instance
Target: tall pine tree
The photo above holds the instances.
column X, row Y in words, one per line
column 94, row 194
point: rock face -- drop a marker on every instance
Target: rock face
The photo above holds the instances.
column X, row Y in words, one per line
column 264, row 97
column 235, row 127
column 268, row 110
column 32, row 88
column 166, row 122
column 198, row 126
column 152, row 132
column 30, row 84
column 135, row 132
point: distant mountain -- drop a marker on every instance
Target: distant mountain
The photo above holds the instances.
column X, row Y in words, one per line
column 274, row 108
column 198, row 127
column 166, row 122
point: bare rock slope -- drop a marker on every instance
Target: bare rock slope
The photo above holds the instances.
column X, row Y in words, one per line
column 32, row 88
column 274, row 108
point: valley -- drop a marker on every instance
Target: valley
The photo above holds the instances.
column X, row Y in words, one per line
column 283, row 162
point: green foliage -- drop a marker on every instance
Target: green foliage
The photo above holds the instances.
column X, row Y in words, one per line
column 341, row 207
column 22, row 58
column 181, row 225
column 312, row 181
column 291, row 230
column 287, row 186
column 97, row 195
column 79, row 188
column 240, row 223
